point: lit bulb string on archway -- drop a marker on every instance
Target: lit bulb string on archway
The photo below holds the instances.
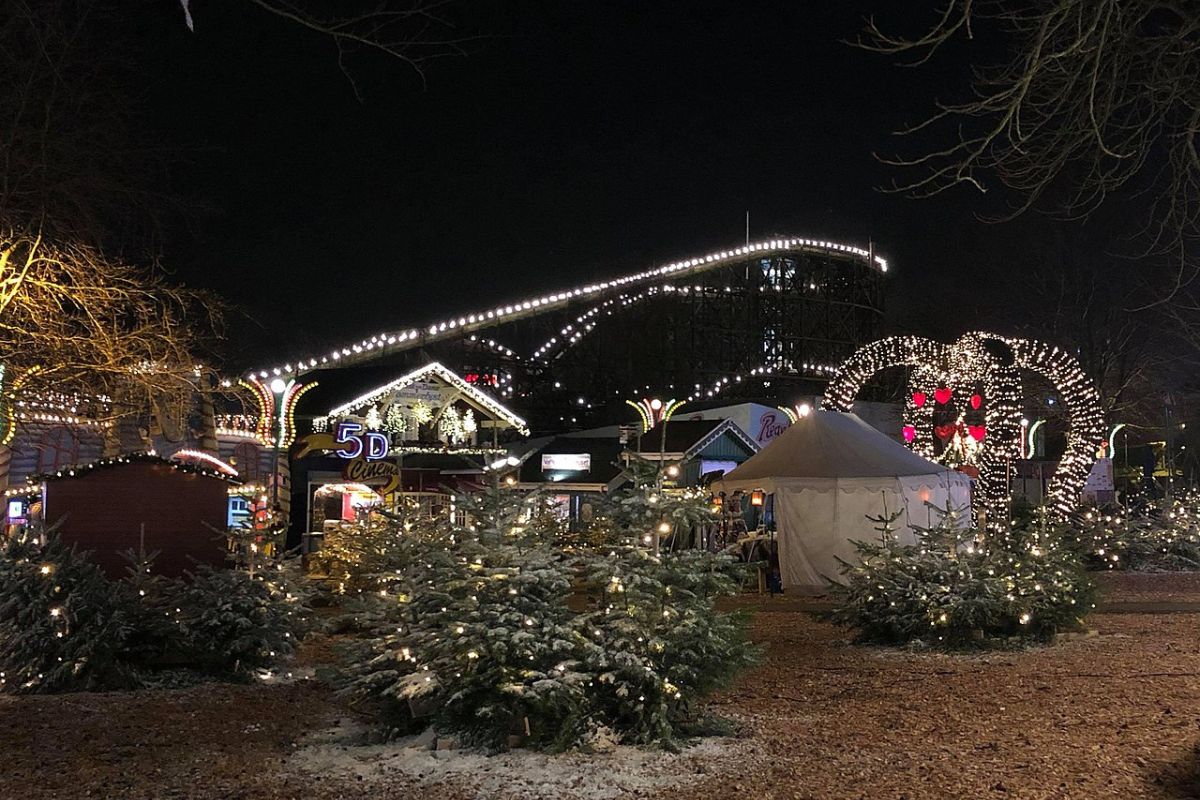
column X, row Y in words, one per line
column 418, row 337
column 972, row 361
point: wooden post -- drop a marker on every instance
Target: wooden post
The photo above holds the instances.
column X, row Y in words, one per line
column 5, row 465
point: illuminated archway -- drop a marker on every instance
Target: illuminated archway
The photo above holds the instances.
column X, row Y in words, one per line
column 989, row 365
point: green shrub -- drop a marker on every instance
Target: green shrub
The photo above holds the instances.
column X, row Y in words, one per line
column 64, row 626
column 1156, row 537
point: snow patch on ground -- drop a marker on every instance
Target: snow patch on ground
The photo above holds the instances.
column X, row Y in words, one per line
column 515, row 775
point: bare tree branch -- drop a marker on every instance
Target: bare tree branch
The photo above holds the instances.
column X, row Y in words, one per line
column 413, row 32
column 75, row 322
column 1096, row 100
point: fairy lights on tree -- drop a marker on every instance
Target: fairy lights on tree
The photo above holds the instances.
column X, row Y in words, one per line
column 980, row 377
column 421, row 412
column 395, row 421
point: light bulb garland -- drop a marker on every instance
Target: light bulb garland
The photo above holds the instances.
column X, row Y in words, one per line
column 414, row 337
column 993, row 362
column 140, row 457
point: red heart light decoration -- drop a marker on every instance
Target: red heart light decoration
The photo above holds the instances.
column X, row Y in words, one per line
column 918, row 399
column 977, row 432
column 976, row 401
column 910, row 433
column 943, row 395
column 944, row 432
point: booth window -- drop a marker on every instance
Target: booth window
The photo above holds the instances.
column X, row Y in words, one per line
column 58, row 448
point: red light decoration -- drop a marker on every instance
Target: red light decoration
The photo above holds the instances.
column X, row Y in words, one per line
column 918, row 399
column 943, row 395
column 976, row 401
column 986, row 362
column 910, row 433
column 977, row 432
column 944, row 432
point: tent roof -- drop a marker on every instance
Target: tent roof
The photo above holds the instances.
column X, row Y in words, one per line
column 831, row 445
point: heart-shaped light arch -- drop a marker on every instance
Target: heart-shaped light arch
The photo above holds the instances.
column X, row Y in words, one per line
column 996, row 361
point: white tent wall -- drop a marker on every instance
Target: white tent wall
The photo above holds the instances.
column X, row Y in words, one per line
column 818, row 521
column 829, row 471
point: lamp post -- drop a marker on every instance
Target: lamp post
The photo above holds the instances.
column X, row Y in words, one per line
column 279, row 388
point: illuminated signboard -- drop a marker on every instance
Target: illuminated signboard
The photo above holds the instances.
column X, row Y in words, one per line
column 371, row 444
column 566, row 462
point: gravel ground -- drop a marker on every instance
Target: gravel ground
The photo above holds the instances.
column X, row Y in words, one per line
column 1149, row 587
column 1113, row 716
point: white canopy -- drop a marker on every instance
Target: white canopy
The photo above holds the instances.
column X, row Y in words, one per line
column 828, row 472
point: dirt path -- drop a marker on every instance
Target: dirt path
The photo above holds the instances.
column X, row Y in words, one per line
column 1114, row 716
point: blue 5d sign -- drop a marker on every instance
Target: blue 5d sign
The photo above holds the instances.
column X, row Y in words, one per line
column 355, row 443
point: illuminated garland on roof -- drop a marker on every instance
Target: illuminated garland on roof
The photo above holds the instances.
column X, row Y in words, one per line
column 988, row 365
column 242, row 426
column 452, row 450
column 140, row 457
column 482, row 319
column 449, row 376
column 200, row 457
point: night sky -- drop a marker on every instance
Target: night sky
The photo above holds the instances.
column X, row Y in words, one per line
column 576, row 141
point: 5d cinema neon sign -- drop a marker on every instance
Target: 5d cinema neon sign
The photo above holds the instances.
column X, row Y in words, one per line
column 355, row 443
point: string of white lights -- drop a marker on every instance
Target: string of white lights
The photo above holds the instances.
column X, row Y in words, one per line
column 470, row 322
column 433, row 368
column 988, row 366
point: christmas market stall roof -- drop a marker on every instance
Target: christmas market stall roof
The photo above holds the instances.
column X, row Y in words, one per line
column 686, row 438
column 828, row 474
column 334, row 393
column 174, row 506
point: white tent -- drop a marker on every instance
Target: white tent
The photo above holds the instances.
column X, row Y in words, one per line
column 828, row 472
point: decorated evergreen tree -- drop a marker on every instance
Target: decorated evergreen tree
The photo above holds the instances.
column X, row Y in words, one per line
column 1161, row 536
column 957, row 588
column 231, row 623
column 63, row 626
column 362, row 556
column 479, row 631
column 644, row 511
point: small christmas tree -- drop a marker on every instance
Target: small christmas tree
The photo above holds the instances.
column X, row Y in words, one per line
column 62, row 625
column 231, row 623
column 659, row 643
column 148, row 600
column 478, row 630
column 955, row 588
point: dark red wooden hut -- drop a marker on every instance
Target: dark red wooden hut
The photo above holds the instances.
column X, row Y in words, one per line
column 112, row 506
